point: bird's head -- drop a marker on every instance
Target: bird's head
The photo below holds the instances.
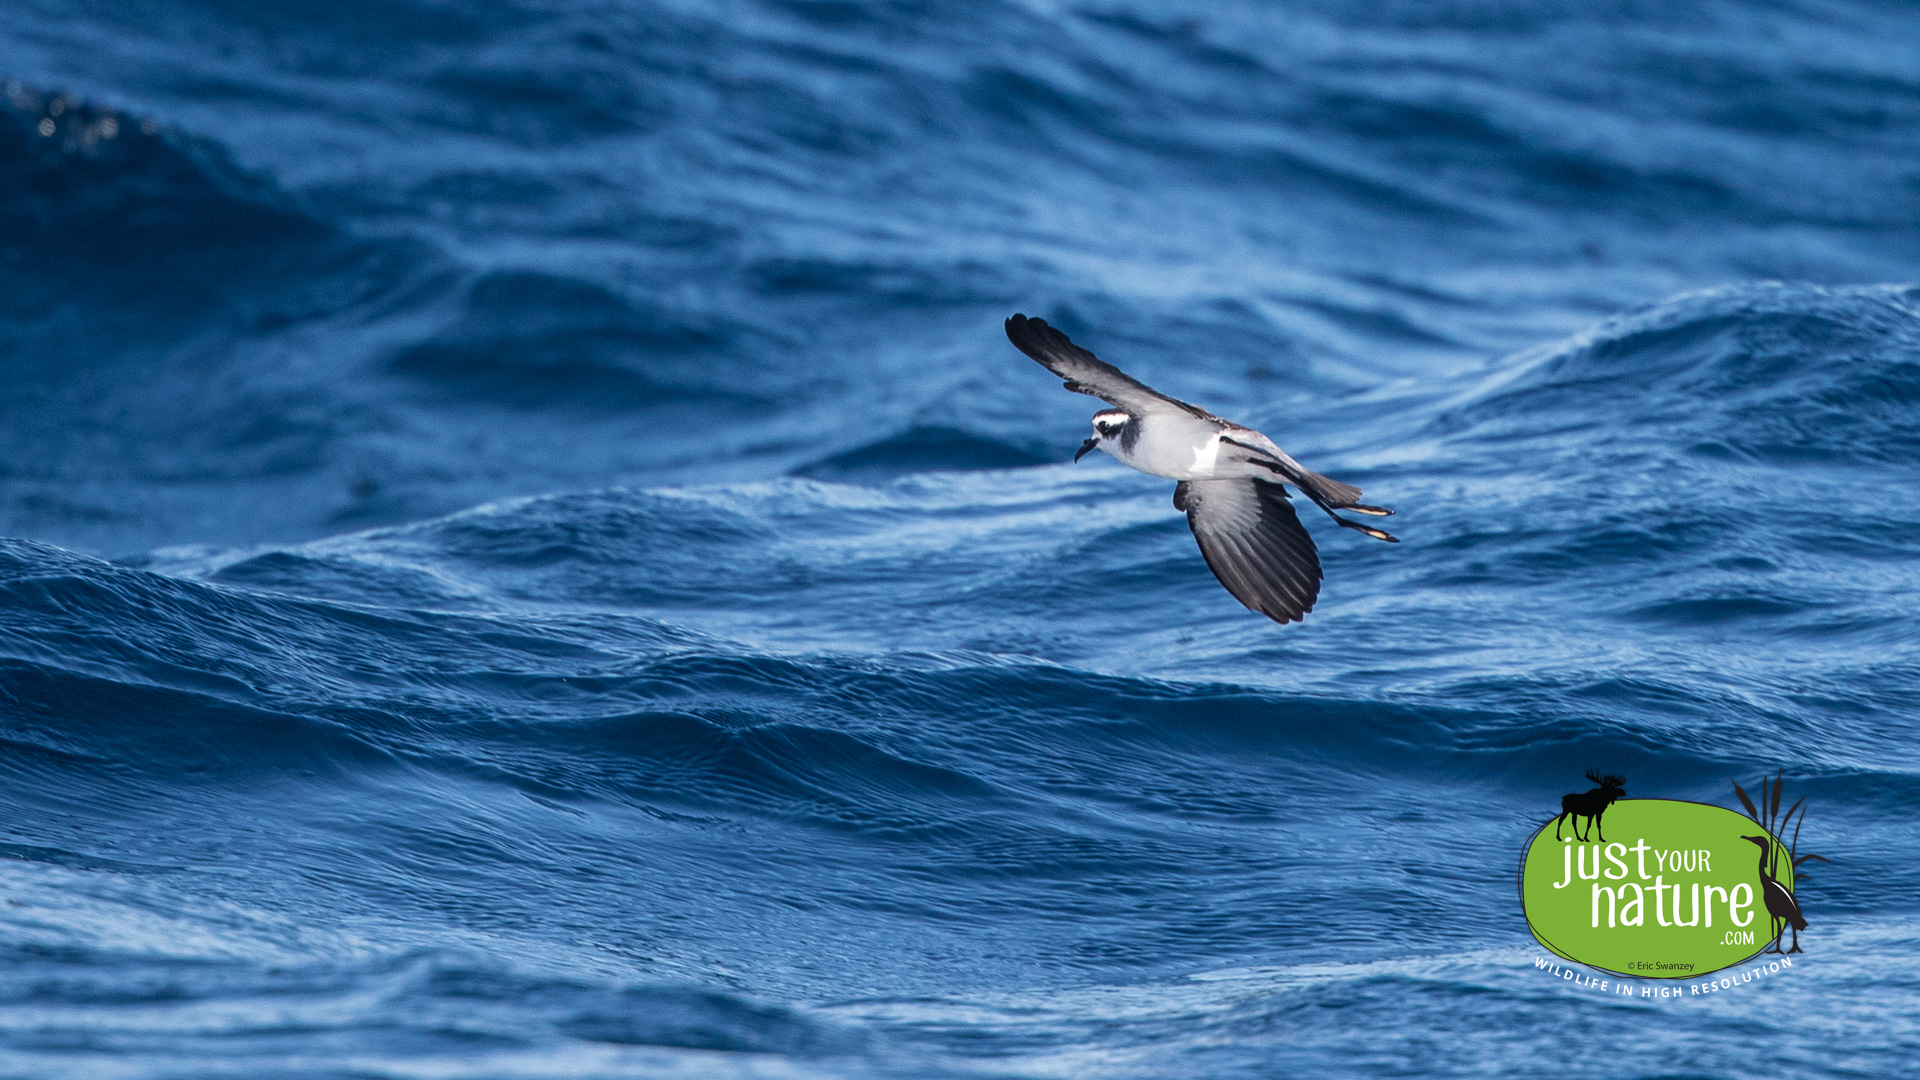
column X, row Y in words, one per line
column 1764, row 841
column 1108, row 425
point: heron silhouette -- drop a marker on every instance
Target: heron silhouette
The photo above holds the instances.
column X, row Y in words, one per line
column 1780, row 903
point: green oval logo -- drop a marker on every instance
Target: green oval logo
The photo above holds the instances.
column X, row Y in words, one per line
column 1676, row 889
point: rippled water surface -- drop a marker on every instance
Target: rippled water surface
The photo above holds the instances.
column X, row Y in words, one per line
column 532, row 557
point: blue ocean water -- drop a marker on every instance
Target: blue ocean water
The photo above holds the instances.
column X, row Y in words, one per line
column 531, row 556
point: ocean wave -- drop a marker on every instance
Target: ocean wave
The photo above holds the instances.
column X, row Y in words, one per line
column 150, row 230
column 532, row 341
column 576, row 706
column 1780, row 374
column 920, row 449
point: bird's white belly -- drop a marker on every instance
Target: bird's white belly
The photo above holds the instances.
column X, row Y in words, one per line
column 1179, row 451
column 1205, row 456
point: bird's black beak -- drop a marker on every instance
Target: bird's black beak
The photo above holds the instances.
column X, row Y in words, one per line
column 1086, row 448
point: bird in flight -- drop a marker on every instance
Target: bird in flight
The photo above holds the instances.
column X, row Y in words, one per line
column 1231, row 477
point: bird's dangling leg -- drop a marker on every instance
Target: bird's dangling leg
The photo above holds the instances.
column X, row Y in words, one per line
column 1345, row 523
column 1377, row 534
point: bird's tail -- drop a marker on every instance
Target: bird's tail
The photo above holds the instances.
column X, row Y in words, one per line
column 1326, row 492
column 1335, row 495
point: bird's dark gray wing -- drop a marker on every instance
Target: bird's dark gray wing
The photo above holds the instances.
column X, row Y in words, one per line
column 1254, row 543
column 1086, row 373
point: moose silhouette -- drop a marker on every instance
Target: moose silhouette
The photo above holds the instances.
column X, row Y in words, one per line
column 1590, row 804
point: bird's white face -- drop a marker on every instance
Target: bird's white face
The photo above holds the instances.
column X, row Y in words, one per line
column 1108, row 424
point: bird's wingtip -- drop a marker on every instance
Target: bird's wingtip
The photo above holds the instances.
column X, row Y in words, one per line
column 1287, row 616
column 1029, row 333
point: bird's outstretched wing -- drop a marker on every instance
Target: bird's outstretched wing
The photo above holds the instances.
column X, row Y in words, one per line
column 1254, row 543
column 1086, row 373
